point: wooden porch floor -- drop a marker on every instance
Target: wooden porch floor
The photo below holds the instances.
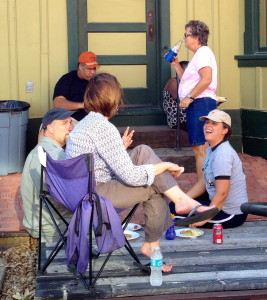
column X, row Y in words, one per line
column 236, row 269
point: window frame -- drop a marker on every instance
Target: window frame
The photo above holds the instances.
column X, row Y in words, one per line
column 254, row 54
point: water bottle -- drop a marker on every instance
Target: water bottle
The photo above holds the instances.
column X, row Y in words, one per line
column 173, row 52
column 156, row 262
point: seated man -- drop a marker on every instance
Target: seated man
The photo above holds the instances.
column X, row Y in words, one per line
column 70, row 88
column 57, row 124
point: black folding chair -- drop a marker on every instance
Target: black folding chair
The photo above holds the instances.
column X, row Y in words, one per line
column 76, row 179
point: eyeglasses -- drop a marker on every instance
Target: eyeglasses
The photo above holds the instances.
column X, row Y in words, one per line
column 187, row 34
column 90, row 69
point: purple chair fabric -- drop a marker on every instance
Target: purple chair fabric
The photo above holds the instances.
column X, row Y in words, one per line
column 68, row 182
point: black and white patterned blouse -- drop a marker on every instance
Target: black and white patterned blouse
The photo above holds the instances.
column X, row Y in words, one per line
column 95, row 134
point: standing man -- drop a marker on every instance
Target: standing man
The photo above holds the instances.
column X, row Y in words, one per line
column 57, row 125
column 70, row 88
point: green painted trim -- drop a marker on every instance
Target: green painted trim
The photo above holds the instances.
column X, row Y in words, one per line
column 72, row 25
column 254, row 123
column 255, row 147
column 236, row 121
column 82, row 26
column 116, row 27
column 253, row 60
column 137, row 93
column 236, row 137
column 122, row 59
column 251, row 35
column 254, row 54
column 164, row 42
column 254, row 128
column 139, row 111
column 139, row 117
column 32, row 134
column 78, row 28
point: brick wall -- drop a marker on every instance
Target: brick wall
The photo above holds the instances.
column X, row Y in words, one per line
column 11, row 212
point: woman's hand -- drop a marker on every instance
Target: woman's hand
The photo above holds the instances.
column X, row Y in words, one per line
column 199, row 224
column 127, row 137
column 175, row 62
column 174, row 169
column 184, row 103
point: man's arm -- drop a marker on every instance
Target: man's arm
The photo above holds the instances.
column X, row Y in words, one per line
column 62, row 102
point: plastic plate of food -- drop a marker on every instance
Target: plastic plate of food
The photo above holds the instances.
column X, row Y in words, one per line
column 188, row 232
column 131, row 235
column 133, row 226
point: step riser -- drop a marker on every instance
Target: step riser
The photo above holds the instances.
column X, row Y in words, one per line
column 157, row 136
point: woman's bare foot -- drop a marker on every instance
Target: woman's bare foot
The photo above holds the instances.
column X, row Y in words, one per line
column 147, row 250
column 186, row 208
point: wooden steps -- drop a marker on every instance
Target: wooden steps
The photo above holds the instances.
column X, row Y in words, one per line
column 157, row 136
column 201, row 269
column 164, row 142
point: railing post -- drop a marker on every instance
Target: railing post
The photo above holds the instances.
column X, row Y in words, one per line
column 177, row 148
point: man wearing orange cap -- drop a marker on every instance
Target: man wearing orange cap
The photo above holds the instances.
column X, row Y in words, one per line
column 70, row 88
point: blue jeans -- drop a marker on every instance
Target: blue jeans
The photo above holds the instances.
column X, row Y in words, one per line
column 198, row 108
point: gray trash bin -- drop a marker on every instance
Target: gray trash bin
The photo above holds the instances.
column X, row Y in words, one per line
column 14, row 117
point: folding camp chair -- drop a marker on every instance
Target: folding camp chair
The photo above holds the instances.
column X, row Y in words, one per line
column 71, row 183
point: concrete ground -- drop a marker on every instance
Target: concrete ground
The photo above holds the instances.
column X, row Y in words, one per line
column 11, row 210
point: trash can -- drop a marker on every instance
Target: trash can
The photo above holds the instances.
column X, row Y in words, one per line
column 14, row 117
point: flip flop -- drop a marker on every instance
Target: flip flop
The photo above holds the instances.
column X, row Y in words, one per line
column 191, row 219
column 146, row 268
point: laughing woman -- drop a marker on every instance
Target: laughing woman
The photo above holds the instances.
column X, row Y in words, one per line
column 223, row 182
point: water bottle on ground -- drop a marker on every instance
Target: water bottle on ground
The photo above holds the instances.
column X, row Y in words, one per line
column 173, row 52
column 156, row 262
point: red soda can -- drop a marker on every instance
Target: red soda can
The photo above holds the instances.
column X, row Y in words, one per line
column 217, row 234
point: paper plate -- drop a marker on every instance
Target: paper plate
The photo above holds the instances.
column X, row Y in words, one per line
column 133, row 226
column 131, row 235
column 189, row 232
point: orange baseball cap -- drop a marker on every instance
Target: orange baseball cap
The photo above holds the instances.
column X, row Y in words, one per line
column 88, row 58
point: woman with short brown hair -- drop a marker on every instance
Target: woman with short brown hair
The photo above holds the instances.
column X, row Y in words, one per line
column 124, row 179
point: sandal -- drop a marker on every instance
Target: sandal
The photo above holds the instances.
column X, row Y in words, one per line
column 146, row 268
column 191, row 219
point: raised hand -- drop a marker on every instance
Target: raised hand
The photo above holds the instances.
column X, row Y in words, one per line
column 127, row 137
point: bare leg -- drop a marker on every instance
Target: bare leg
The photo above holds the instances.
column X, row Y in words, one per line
column 183, row 203
column 199, row 152
column 147, row 250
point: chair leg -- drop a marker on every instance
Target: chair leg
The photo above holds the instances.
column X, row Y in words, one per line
column 127, row 246
column 128, row 218
column 125, row 222
column 62, row 240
